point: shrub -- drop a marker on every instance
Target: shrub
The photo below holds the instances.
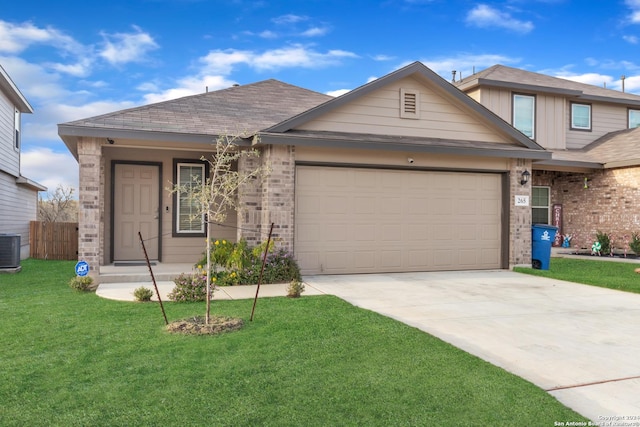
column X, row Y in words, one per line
column 605, row 242
column 634, row 244
column 190, row 287
column 237, row 264
column 81, row 283
column 279, row 267
column 295, row 288
column 143, row 294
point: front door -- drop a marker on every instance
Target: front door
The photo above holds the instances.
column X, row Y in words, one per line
column 135, row 209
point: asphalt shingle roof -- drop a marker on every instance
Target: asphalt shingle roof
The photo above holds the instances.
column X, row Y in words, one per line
column 248, row 108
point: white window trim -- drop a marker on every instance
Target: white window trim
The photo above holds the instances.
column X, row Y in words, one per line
column 533, row 112
column 573, row 125
column 548, row 206
column 178, row 207
column 629, row 117
column 16, row 130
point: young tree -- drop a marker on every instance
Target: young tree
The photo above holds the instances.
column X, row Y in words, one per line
column 218, row 194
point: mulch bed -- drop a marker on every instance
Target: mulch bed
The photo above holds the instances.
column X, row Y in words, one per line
column 197, row 325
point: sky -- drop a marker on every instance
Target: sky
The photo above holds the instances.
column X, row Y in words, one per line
column 76, row 59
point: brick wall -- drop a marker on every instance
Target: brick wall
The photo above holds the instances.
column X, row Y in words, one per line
column 609, row 204
column 270, row 202
column 90, row 220
column 519, row 216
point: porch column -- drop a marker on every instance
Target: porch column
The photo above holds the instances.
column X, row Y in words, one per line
column 519, row 216
column 90, row 195
column 278, row 195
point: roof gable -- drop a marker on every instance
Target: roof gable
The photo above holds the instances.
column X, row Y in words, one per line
column 13, row 93
column 482, row 122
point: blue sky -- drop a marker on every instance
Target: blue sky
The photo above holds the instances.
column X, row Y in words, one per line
column 75, row 59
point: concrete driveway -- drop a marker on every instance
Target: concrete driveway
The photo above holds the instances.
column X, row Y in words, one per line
column 580, row 343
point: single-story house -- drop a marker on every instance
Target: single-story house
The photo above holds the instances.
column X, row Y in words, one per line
column 405, row 173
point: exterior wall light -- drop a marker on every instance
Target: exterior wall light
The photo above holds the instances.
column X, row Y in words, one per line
column 525, row 177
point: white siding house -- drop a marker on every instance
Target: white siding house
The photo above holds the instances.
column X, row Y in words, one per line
column 18, row 195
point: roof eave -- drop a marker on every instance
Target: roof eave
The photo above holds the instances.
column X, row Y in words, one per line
column 26, row 182
column 14, row 93
column 569, row 164
column 297, row 140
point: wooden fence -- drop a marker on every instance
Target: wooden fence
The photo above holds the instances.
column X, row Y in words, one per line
column 54, row 240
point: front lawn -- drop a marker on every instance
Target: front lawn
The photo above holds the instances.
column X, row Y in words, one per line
column 74, row 359
column 590, row 271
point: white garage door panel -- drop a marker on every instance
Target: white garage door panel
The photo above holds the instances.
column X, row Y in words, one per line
column 352, row 220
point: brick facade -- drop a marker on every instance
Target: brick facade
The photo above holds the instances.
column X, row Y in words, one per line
column 608, row 204
column 519, row 216
column 271, row 202
column 91, row 201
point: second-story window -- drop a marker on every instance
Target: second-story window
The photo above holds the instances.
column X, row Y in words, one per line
column 524, row 114
column 580, row 116
column 16, row 140
column 634, row 118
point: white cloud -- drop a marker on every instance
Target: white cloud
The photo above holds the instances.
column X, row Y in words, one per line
column 267, row 34
column 336, row 93
column 190, row 86
column 630, row 39
column 484, row 16
column 15, row 38
column 381, row 57
column 50, row 168
column 634, row 5
column 594, row 79
column 289, row 19
column 315, row 32
column 121, row 48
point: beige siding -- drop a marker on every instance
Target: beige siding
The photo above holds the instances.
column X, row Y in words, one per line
column 174, row 249
column 379, row 113
column 605, row 118
column 395, row 159
column 550, row 114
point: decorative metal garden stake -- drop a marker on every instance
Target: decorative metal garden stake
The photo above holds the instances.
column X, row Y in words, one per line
column 264, row 261
column 153, row 278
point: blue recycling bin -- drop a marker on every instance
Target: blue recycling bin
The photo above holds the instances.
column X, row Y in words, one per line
column 542, row 236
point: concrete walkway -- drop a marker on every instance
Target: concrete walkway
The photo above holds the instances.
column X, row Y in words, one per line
column 580, row 343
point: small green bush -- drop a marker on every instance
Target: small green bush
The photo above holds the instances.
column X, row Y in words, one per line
column 295, row 288
column 237, row 264
column 143, row 294
column 605, row 242
column 81, row 283
column 634, row 244
column 190, row 287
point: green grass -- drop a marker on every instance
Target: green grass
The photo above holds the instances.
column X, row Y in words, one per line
column 606, row 274
column 74, row 359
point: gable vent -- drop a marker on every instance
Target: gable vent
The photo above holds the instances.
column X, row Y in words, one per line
column 409, row 104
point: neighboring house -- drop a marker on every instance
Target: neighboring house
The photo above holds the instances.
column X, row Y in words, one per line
column 594, row 173
column 18, row 195
column 405, row 173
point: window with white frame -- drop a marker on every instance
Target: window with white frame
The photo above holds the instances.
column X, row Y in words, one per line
column 540, row 202
column 580, row 116
column 524, row 114
column 634, row 118
column 188, row 218
column 16, row 141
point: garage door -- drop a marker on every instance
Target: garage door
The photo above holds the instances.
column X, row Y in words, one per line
column 353, row 220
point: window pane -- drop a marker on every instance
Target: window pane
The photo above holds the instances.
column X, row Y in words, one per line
column 540, row 216
column 581, row 116
column 540, row 196
column 523, row 114
column 634, row 118
column 188, row 217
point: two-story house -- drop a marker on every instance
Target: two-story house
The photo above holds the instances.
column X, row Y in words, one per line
column 592, row 182
column 18, row 195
